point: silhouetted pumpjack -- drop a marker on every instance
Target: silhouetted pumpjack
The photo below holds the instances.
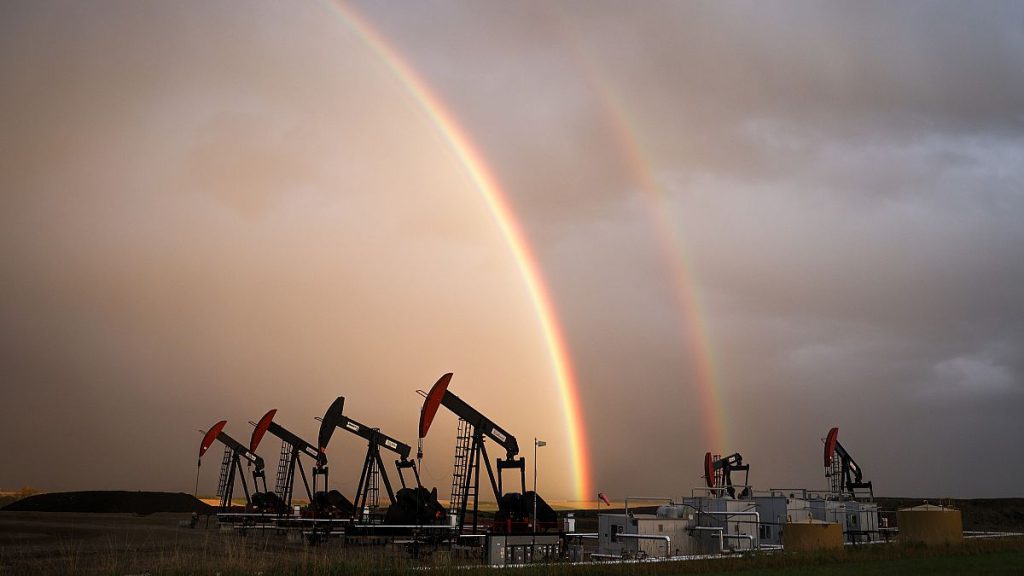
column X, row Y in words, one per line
column 470, row 451
column 373, row 464
column 234, row 452
column 845, row 476
column 718, row 474
column 291, row 448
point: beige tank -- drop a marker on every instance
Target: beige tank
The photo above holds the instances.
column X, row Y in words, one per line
column 811, row 535
column 930, row 525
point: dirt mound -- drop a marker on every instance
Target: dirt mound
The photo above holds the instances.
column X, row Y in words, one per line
column 112, row 501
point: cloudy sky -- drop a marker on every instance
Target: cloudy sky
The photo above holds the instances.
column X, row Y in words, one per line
column 212, row 209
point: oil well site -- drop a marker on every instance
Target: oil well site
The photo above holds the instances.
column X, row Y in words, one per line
column 340, row 287
column 289, row 518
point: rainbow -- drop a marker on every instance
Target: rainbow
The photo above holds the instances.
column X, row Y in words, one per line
column 693, row 323
column 484, row 181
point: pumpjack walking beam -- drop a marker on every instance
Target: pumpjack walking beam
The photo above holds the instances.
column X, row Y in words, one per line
column 481, row 428
column 290, row 458
column 373, row 462
column 234, row 452
column 845, row 476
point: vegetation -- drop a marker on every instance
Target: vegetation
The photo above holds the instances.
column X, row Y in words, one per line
column 266, row 555
column 9, row 497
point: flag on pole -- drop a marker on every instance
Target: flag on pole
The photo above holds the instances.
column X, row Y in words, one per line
column 541, row 443
column 603, row 498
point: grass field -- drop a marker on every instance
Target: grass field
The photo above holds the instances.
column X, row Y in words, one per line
column 120, row 544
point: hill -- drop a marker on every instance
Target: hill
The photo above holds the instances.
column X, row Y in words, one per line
column 110, row 502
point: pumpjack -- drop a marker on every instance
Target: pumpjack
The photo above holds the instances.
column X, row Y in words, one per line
column 368, row 490
column 718, row 475
column 234, row 453
column 292, row 447
column 514, row 508
column 845, row 476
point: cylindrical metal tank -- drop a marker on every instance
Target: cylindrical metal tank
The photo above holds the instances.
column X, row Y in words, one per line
column 930, row 525
column 811, row 535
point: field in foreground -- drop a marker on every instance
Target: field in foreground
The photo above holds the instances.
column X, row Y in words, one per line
column 65, row 543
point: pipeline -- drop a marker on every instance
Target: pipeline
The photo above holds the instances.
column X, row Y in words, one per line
column 666, row 539
column 721, row 534
column 757, row 521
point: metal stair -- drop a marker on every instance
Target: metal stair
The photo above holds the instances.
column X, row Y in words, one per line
column 283, row 468
column 373, row 487
column 225, row 471
column 461, row 470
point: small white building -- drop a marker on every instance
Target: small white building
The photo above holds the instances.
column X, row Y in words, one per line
column 858, row 519
column 775, row 511
column 737, row 519
column 661, row 535
column 518, row 549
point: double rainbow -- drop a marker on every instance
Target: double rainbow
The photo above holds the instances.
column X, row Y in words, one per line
column 478, row 171
column 693, row 325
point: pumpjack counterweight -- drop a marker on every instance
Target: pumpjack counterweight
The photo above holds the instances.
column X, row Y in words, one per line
column 231, row 465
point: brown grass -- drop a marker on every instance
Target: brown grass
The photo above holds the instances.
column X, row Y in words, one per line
column 212, row 552
column 13, row 496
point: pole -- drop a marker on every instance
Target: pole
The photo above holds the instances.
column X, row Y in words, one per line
column 535, row 485
column 199, row 466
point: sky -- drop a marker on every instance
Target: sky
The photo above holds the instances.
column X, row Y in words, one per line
column 754, row 221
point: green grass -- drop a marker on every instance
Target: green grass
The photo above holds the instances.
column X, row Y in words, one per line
column 992, row 563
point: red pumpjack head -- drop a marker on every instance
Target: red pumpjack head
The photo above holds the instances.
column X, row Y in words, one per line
column 211, row 435
column 261, row 429
column 432, row 402
column 830, row 445
column 709, row 470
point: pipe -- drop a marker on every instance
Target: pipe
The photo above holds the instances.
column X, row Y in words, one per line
column 646, row 498
column 666, row 539
column 721, row 534
column 749, row 537
column 757, row 521
column 715, row 492
column 420, row 526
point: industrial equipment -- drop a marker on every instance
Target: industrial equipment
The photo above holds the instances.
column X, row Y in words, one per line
column 415, row 506
column 718, row 475
column 470, row 450
column 234, row 452
column 292, row 447
column 368, row 490
column 845, row 476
